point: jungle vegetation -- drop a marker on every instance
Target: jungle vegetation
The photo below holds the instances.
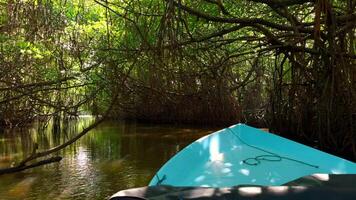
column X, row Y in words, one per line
column 289, row 65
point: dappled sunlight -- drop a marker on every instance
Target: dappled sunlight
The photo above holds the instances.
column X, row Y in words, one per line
column 207, row 193
column 214, row 149
column 217, row 165
column 340, row 169
column 205, row 185
column 226, row 170
column 229, row 168
column 82, row 159
column 227, row 164
column 337, row 171
column 272, row 177
column 206, row 141
column 245, row 172
column 250, row 191
column 199, row 179
column 321, row 177
column 236, row 148
column 226, row 159
column 280, row 190
column 86, row 116
column 98, row 96
column 217, row 158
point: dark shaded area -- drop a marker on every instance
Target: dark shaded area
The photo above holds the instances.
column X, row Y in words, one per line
column 336, row 187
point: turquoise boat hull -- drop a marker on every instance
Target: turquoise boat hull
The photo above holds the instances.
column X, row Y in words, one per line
column 243, row 155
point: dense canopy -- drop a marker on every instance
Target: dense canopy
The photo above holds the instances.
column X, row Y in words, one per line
column 285, row 64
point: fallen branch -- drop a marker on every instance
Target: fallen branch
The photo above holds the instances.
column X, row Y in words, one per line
column 24, row 167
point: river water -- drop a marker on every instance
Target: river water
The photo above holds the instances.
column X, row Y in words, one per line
column 112, row 157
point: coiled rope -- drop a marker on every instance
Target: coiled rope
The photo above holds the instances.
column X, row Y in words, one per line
column 270, row 156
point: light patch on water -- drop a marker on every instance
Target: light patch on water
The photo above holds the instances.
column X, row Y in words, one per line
column 82, row 158
column 83, row 165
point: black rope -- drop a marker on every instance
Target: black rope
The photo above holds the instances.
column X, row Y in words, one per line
column 160, row 180
column 271, row 157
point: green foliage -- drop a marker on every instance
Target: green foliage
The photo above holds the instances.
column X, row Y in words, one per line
column 250, row 60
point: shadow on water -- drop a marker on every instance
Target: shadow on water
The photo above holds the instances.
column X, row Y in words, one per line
column 112, row 157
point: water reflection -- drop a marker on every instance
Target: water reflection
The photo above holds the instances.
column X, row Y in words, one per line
column 21, row 189
column 114, row 156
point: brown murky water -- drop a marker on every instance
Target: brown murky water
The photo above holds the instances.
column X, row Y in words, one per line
column 113, row 157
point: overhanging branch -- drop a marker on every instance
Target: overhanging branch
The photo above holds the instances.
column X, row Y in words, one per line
column 242, row 21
